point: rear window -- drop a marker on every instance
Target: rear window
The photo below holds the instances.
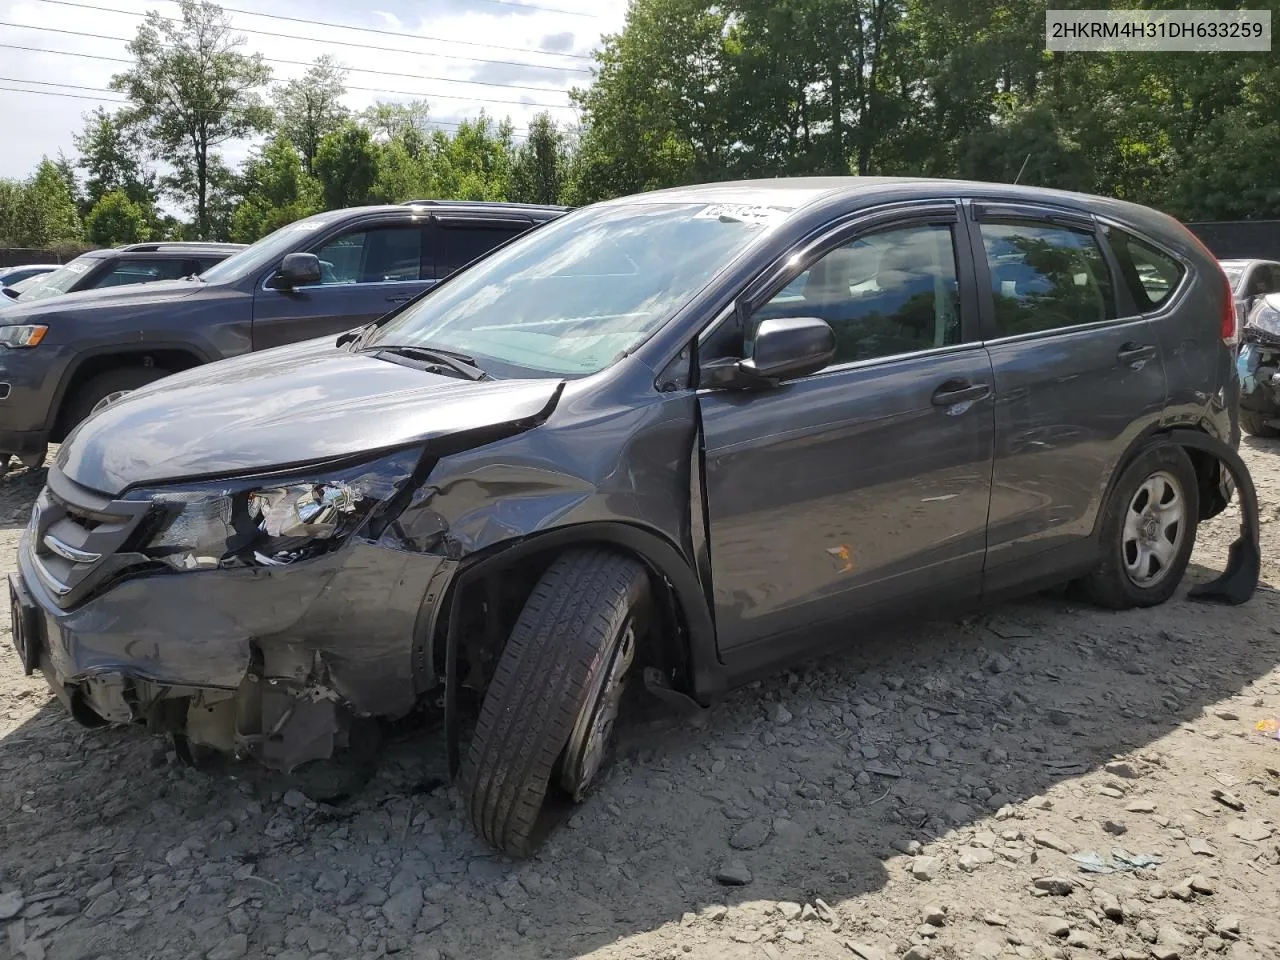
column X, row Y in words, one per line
column 1150, row 274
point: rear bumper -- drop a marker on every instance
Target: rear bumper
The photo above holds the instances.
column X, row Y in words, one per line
column 295, row 650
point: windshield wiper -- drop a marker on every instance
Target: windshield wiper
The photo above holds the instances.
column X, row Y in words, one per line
column 459, row 363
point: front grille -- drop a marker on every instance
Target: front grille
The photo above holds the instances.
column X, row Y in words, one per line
column 77, row 536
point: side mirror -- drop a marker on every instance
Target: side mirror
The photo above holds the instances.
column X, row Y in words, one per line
column 298, row 269
column 9, row 292
column 785, row 348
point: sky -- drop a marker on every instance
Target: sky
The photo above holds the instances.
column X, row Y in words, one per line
column 539, row 44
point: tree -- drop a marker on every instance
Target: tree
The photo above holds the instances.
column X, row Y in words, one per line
column 115, row 219
column 112, row 157
column 11, row 192
column 310, row 108
column 403, row 174
column 47, row 214
column 274, row 190
column 475, row 163
column 191, row 90
column 407, row 122
column 539, row 170
column 651, row 113
column 346, row 166
column 67, row 171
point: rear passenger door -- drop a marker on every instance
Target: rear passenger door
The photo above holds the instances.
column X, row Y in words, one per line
column 458, row 239
column 1077, row 375
column 366, row 270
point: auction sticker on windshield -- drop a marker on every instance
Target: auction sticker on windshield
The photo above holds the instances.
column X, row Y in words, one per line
column 752, row 214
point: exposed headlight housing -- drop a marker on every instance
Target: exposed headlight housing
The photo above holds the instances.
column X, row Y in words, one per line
column 269, row 521
column 17, row 335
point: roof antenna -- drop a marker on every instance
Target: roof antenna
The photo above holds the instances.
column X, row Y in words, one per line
column 1021, row 168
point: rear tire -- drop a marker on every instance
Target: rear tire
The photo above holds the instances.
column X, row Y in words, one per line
column 548, row 713
column 104, row 385
column 1148, row 531
column 1255, row 424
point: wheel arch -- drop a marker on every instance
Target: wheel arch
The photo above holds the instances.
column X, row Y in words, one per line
column 1208, row 468
column 685, row 619
column 173, row 356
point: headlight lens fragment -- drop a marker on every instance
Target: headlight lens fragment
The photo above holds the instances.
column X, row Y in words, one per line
column 269, row 524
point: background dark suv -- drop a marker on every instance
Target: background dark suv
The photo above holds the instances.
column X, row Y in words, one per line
column 61, row 358
column 121, row 266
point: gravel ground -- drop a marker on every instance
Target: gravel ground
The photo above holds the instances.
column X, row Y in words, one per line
column 919, row 797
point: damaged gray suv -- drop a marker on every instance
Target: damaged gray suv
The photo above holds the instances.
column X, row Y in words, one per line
column 679, row 438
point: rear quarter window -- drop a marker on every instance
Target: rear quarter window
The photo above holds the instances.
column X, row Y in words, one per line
column 1151, row 274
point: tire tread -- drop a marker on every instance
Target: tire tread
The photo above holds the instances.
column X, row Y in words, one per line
column 538, row 688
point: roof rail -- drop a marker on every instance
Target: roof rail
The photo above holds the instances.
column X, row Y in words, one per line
column 156, row 245
column 495, row 204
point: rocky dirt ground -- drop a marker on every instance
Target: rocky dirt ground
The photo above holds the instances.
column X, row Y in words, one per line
column 926, row 795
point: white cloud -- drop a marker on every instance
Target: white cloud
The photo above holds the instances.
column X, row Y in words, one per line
column 34, row 125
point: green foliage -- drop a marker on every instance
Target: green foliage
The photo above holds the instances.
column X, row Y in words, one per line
column 274, row 190
column 112, row 156
column 475, row 163
column 310, row 108
column 44, row 213
column 191, row 90
column 539, row 170
column 347, row 166
column 688, row 91
column 115, row 220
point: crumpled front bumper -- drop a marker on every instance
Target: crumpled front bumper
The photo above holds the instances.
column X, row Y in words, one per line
column 351, row 630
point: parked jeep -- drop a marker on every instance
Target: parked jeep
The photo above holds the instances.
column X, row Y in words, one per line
column 62, row 357
column 120, row 267
column 688, row 436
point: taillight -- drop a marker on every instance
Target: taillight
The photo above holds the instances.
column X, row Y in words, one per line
column 1230, row 327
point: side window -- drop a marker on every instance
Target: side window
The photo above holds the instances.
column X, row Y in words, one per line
column 142, row 271
column 883, row 294
column 460, row 245
column 1149, row 273
column 1044, row 277
column 373, row 255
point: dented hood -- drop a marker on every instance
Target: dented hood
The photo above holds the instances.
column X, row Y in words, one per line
column 291, row 406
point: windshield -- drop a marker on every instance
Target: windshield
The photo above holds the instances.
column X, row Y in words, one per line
column 571, row 297
column 55, row 282
column 270, row 248
column 1234, row 272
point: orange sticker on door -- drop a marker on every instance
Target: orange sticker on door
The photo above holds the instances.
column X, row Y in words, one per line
column 844, row 555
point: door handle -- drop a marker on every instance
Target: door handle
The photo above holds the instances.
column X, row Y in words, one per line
column 953, row 392
column 1136, row 353
column 398, row 299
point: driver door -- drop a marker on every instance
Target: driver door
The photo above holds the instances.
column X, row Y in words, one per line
column 366, row 270
column 866, row 485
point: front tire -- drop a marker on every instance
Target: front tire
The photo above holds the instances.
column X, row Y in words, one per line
column 1148, row 531
column 548, row 714
column 106, row 386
